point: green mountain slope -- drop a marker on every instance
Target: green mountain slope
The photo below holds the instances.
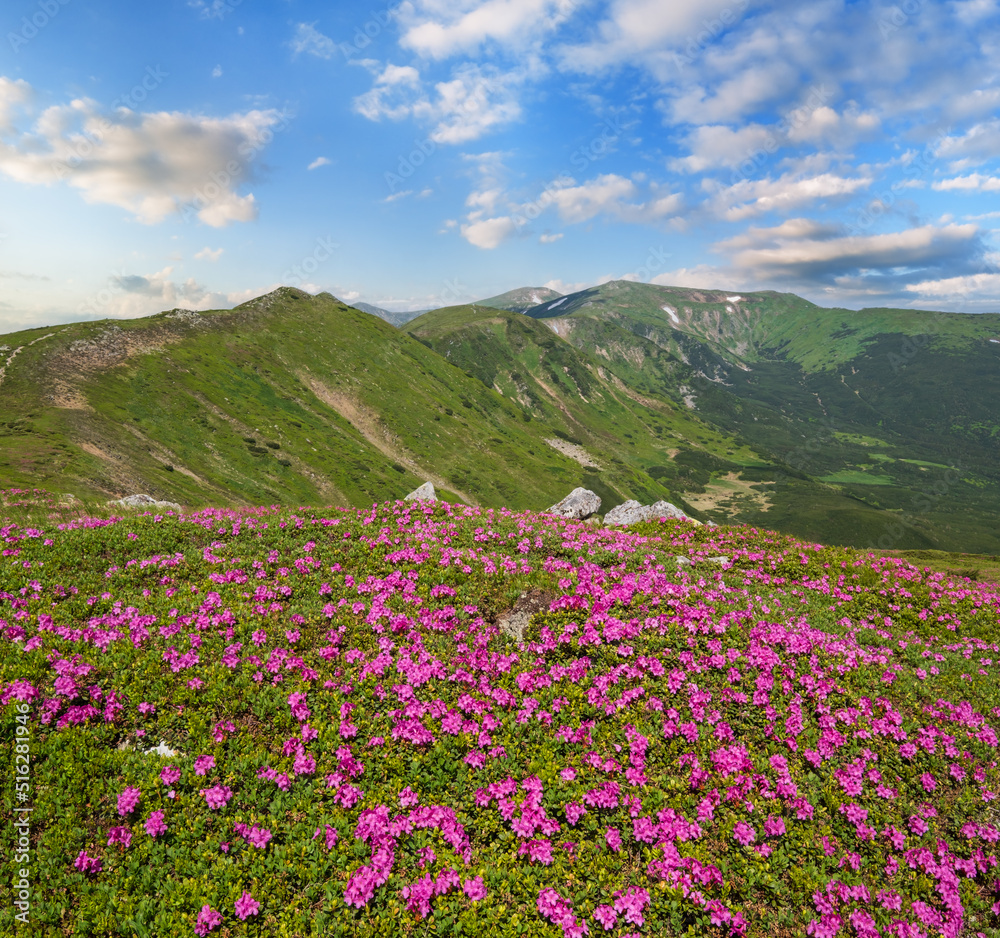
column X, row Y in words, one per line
column 897, row 408
column 872, row 432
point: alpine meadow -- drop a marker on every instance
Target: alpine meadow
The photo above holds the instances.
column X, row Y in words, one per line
column 500, row 469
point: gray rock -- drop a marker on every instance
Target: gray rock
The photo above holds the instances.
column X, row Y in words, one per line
column 579, row 504
column 628, row 512
column 721, row 560
column 631, row 512
column 666, row 510
column 684, row 561
column 162, row 750
column 143, row 502
column 425, row 493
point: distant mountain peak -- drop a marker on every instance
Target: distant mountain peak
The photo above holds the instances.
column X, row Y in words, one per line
column 521, row 299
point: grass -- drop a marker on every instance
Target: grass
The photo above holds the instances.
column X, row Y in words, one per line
column 355, row 746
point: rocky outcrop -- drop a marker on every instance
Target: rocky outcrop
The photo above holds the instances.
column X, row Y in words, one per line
column 143, row 502
column 631, row 512
column 579, row 504
column 425, row 493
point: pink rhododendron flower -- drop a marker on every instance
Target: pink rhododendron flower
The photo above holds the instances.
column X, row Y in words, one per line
column 246, row 906
column 170, row 775
column 474, row 888
column 208, row 920
column 203, row 764
column 128, row 800
column 217, row 797
column 120, row 835
column 87, row 864
column 744, row 834
column 155, row 824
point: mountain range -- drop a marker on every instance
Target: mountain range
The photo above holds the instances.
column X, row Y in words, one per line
column 874, row 427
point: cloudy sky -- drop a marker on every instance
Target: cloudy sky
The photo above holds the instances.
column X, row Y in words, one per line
column 196, row 153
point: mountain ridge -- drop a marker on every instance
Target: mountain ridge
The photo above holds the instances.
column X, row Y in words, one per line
column 296, row 399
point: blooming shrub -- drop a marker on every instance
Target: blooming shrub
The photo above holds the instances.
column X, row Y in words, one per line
column 798, row 741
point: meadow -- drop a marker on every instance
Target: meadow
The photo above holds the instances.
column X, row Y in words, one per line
column 266, row 721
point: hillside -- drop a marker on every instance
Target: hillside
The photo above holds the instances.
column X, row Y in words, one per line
column 288, row 398
column 415, row 719
column 897, row 408
column 710, row 401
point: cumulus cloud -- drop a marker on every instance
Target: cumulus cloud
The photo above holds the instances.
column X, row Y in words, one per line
column 207, row 254
column 609, row 196
column 749, row 198
column 318, row 162
column 476, row 100
column 649, row 30
column 310, row 41
column 489, row 233
column 439, row 30
column 13, row 96
column 550, row 238
column 153, row 165
column 971, row 183
column 979, row 143
column 802, row 250
column 984, row 287
column 715, row 145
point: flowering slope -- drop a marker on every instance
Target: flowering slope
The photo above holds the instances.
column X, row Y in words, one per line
column 314, row 723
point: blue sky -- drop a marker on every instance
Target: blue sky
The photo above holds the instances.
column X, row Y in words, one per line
column 196, row 153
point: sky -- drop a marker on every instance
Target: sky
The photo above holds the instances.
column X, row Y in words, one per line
column 198, row 153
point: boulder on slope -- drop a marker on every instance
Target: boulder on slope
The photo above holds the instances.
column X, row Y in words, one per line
column 579, row 504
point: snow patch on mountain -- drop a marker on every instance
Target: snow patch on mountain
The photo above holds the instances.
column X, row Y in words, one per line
column 672, row 313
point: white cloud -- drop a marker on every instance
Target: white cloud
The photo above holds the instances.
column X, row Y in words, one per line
column 752, row 197
column 716, row 145
column 153, row 165
column 476, row 100
column 309, row 40
column 217, row 71
column 550, row 238
column 608, row 196
column 650, row 30
column 984, row 286
column 979, row 143
column 702, row 275
column 318, row 162
column 398, row 195
column 974, row 182
column 212, row 9
column 207, row 254
column 489, row 233
column 439, row 30
column 13, row 95
column 825, row 125
column 731, row 99
column 971, row 12
column 802, row 249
